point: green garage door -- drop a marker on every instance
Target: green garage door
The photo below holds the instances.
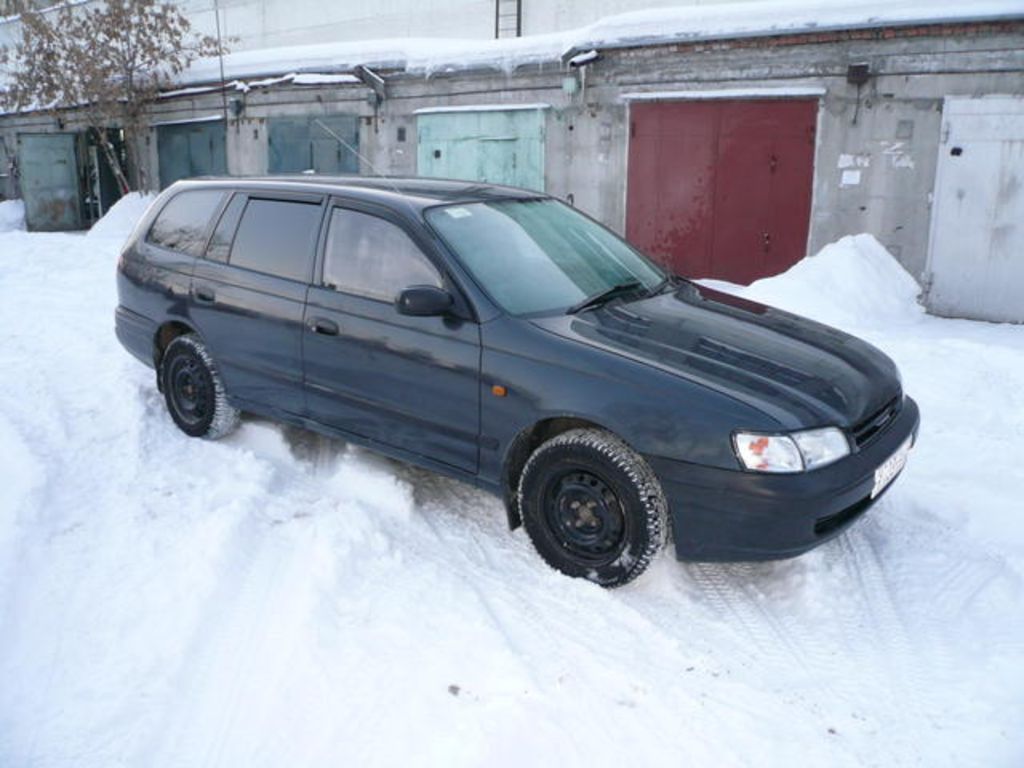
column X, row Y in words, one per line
column 496, row 146
column 49, row 181
column 323, row 144
column 191, row 149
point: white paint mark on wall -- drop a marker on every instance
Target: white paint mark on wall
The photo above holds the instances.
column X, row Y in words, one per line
column 854, row 161
column 850, row 178
column 898, row 156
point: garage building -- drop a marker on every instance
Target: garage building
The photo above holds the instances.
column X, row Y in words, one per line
column 727, row 151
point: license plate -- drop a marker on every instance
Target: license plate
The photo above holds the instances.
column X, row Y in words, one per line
column 891, row 467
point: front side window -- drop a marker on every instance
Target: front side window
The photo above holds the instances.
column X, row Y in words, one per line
column 183, row 222
column 371, row 257
column 277, row 237
column 538, row 256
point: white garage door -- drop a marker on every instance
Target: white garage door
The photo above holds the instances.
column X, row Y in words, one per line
column 976, row 257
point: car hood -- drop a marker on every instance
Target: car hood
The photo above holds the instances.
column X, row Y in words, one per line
column 799, row 372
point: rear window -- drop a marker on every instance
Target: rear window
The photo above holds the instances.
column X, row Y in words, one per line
column 183, row 223
column 277, row 237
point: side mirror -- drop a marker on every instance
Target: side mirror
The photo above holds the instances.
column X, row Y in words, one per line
column 423, row 301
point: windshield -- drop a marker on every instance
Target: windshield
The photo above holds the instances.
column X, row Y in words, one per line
column 537, row 256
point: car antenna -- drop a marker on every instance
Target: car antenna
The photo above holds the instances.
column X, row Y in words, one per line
column 357, row 153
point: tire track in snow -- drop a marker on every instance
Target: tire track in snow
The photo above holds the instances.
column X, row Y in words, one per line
column 661, row 668
column 236, row 652
column 775, row 636
column 504, row 626
column 883, row 646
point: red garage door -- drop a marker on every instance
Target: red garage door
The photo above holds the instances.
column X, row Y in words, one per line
column 721, row 188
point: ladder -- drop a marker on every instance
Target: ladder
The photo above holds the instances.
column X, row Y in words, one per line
column 508, row 18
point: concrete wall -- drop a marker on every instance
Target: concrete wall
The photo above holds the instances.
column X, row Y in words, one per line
column 272, row 23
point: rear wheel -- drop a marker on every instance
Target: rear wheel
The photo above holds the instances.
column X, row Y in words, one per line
column 194, row 391
column 593, row 507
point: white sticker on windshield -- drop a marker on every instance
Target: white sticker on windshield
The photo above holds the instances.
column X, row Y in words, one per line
column 458, row 213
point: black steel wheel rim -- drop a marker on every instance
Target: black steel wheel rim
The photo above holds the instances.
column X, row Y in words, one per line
column 191, row 390
column 585, row 516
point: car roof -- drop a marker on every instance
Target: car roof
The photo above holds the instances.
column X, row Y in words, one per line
column 394, row 190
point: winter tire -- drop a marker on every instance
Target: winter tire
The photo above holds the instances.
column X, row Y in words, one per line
column 592, row 507
column 194, row 391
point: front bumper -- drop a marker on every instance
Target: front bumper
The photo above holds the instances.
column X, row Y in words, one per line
column 732, row 515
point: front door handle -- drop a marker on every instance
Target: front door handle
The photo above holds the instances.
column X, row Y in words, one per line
column 205, row 295
column 324, row 327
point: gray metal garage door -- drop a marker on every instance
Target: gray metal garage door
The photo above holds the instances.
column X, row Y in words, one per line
column 49, row 181
column 191, row 149
column 976, row 258
column 322, row 143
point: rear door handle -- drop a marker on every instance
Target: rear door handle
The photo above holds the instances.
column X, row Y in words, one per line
column 324, row 327
column 205, row 295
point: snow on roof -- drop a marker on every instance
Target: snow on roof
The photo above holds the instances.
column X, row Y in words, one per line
column 245, row 86
column 650, row 27
column 583, row 58
column 202, row 119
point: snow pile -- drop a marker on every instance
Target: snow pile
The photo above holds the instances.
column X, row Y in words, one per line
column 850, row 284
column 662, row 25
column 120, row 220
column 12, row 215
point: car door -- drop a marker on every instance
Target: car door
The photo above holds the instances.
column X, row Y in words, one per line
column 408, row 382
column 159, row 275
column 249, row 292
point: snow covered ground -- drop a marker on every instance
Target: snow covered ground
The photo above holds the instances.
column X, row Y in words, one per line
column 283, row 599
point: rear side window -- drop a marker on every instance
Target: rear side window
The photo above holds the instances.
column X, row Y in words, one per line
column 371, row 257
column 277, row 237
column 184, row 221
column 220, row 241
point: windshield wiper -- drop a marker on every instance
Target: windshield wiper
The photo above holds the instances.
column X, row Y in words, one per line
column 669, row 281
column 627, row 286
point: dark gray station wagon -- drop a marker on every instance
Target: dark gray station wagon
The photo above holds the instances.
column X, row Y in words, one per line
column 502, row 338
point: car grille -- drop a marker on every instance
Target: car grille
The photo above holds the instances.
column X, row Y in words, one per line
column 864, row 432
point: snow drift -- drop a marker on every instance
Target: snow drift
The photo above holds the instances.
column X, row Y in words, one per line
column 120, row 220
column 850, row 284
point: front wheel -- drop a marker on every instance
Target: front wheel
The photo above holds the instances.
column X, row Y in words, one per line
column 194, row 391
column 592, row 507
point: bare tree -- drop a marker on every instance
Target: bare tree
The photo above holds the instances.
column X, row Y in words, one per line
column 107, row 63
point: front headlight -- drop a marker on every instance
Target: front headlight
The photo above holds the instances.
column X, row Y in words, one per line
column 768, row 453
column 821, row 446
column 795, row 452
